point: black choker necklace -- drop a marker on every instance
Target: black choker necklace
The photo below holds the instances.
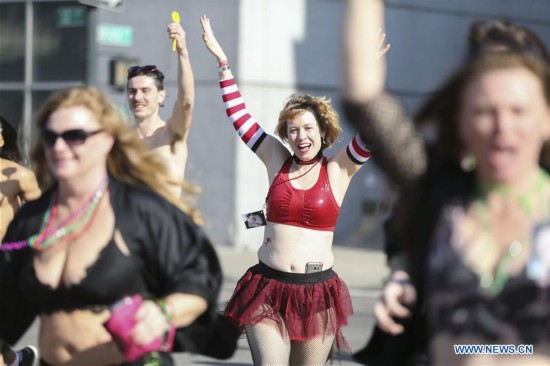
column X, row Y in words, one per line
column 308, row 162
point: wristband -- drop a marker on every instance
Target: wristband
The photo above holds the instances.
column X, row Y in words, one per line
column 223, row 68
column 167, row 310
column 161, row 303
column 223, row 63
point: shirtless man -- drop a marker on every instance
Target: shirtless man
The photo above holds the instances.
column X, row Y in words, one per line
column 17, row 183
column 146, row 95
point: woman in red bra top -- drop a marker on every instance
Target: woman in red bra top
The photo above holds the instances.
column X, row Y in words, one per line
column 292, row 304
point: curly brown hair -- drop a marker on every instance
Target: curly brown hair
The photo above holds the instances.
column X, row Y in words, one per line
column 129, row 160
column 320, row 107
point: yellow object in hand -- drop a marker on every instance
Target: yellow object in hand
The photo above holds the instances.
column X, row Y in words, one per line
column 175, row 19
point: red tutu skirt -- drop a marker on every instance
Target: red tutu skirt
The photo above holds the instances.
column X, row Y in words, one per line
column 304, row 306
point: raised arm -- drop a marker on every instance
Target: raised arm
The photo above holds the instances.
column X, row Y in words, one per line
column 267, row 148
column 384, row 127
column 381, row 121
column 364, row 71
column 180, row 121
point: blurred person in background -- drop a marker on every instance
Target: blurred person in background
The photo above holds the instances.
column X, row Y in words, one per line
column 17, row 183
column 470, row 229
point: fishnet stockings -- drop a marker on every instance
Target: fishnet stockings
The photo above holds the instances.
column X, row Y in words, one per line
column 312, row 352
column 270, row 346
column 267, row 345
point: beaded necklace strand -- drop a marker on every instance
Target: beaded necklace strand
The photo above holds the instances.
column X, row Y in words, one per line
column 65, row 230
column 69, row 233
column 278, row 181
column 494, row 283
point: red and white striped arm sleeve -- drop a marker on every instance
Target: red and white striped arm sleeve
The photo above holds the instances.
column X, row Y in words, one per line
column 357, row 150
column 246, row 126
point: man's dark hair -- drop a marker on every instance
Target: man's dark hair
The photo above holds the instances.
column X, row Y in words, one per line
column 147, row 70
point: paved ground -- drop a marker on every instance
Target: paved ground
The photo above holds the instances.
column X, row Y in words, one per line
column 362, row 270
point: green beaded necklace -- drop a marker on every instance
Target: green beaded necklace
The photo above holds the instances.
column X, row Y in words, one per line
column 77, row 221
column 494, row 283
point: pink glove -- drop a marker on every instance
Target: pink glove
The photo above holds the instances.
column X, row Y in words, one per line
column 122, row 322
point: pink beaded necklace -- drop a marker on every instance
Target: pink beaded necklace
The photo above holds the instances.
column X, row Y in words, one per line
column 77, row 220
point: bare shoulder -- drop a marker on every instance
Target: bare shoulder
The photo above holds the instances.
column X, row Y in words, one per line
column 10, row 169
column 339, row 161
column 26, row 173
column 273, row 154
column 340, row 170
column 174, row 133
column 25, row 177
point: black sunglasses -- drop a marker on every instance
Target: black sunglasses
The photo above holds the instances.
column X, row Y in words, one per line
column 145, row 70
column 71, row 137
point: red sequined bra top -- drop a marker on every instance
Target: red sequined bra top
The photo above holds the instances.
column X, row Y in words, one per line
column 314, row 208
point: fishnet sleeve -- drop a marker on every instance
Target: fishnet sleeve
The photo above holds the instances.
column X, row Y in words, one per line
column 391, row 136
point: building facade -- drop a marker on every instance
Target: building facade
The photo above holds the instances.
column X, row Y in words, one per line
column 275, row 47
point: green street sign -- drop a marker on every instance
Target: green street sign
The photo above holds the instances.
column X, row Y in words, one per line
column 115, row 35
column 70, row 16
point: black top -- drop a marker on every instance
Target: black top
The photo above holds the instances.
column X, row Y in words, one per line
column 112, row 276
column 458, row 304
column 168, row 254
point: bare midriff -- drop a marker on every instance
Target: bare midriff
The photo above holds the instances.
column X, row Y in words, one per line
column 77, row 338
column 289, row 248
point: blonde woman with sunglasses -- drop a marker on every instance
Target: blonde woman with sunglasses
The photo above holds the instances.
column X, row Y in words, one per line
column 106, row 227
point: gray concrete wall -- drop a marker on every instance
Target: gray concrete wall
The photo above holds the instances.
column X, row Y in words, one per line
column 428, row 37
column 277, row 47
